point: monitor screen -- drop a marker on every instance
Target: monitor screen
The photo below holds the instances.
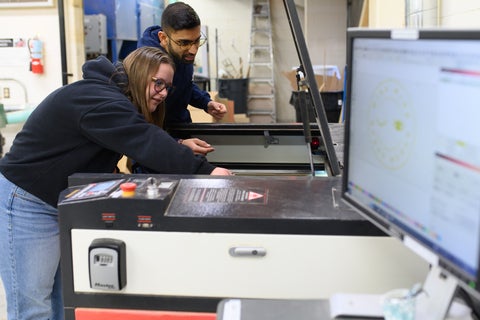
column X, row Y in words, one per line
column 412, row 141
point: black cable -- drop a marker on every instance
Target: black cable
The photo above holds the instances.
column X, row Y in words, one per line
column 471, row 302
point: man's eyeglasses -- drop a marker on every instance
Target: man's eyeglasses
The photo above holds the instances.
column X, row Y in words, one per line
column 187, row 44
column 160, row 85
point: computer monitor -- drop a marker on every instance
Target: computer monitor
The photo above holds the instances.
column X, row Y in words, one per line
column 412, row 149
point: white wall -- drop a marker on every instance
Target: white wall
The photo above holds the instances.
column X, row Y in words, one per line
column 460, row 14
column 233, row 31
column 326, row 22
column 386, row 14
column 26, row 23
column 431, row 13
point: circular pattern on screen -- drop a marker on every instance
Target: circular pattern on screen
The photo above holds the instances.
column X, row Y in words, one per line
column 391, row 124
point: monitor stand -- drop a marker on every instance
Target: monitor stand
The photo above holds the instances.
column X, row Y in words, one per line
column 437, row 295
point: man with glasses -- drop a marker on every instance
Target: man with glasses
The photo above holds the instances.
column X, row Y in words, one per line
column 180, row 36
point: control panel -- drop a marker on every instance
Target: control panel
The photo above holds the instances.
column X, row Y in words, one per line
column 133, row 202
column 142, row 188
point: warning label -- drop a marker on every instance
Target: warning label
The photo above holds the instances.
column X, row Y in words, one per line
column 227, row 195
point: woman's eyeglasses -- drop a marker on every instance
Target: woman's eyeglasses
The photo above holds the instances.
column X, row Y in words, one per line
column 160, row 85
column 187, row 44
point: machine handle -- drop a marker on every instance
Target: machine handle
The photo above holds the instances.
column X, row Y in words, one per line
column 247, row 252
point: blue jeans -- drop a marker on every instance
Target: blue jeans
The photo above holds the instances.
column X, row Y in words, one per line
column 29, row 255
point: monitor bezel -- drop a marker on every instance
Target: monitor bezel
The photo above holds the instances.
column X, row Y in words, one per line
column 464, row 280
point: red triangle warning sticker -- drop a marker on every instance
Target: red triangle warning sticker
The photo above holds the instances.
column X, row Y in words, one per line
column 254, row 195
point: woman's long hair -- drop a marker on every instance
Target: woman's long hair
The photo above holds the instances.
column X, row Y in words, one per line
column 140, row 65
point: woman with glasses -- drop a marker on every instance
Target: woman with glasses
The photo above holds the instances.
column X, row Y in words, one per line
column 180, row 37
column 82, row 127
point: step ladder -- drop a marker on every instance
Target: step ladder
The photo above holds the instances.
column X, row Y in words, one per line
column 261, row 90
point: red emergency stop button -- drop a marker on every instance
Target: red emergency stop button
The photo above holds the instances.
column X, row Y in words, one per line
column 128, row 189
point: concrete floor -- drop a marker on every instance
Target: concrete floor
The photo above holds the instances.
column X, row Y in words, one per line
column 8, row 133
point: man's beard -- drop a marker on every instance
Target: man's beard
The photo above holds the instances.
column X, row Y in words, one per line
column 179, row 58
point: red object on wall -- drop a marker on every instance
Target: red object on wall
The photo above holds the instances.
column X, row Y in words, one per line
column 35, row 46
column 37, row 66
column 119, row 314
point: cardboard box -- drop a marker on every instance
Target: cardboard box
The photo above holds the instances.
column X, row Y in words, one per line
column 200, row 116
column 329, row 78
column 230, row 104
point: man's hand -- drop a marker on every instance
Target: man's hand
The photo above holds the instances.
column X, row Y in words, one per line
column 221, row 172
column 216, row 109
column 198, row 146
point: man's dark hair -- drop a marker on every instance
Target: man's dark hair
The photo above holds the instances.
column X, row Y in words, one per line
column 178, row 16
